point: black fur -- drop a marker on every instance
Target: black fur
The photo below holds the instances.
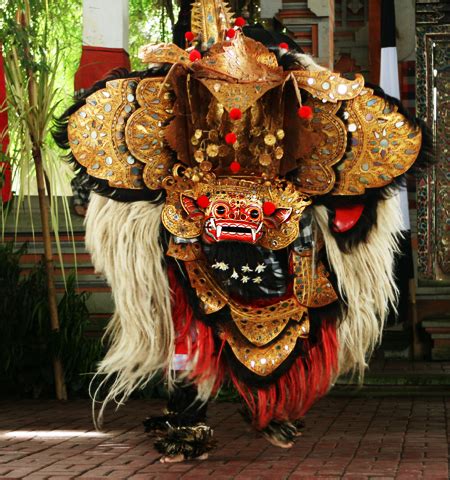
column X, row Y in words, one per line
column 183, row 410
column 237, row 255
column 271, row 39
column 191, row 442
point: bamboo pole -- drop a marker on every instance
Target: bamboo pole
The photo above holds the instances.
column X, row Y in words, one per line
column 58, row 371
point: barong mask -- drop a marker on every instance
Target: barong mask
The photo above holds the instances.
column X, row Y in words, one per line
column 240, row 146
column 270, row 180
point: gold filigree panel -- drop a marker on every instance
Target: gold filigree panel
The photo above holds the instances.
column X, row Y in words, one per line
column 236, row 95
column 97, row 135
column 315, row 145
column 328, row 86
column 210, row 19
column 242, row 60
column 383, row 145
column 286, row 233
column 210, row 295
column 264, row 360
column 163, row 53
column 187, row 252
column 312, row 288
column 261, row 325
column 145, row 130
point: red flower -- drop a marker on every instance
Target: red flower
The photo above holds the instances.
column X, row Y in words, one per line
column 284, row 45
column 240, row 22
column 231, row 33
column 230, row 138
column 235, row 114
column 305, row 112
column 189, row 36
column 269, row 208
column 235, row 167
column 195, row 55
column 203, row 201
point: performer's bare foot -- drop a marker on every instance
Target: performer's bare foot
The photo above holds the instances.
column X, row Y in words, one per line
column 181, row 458
column 278, row 443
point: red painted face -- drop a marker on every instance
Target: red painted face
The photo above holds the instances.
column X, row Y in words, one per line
column 234, row 217
column 233, row 220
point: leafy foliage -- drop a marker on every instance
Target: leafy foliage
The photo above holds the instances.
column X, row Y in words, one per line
column 27, row 345
column 151, row 21
column 33, row 66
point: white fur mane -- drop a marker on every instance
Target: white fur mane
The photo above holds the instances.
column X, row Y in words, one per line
column 123, row 239
column 366, row 282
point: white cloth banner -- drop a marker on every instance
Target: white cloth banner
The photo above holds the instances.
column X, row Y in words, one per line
column 389, row 82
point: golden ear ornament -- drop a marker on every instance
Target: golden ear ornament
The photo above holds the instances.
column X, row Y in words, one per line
column 97, row 135
column 383, row 145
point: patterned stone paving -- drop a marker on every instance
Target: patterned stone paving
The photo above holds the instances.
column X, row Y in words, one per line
column 345, row 437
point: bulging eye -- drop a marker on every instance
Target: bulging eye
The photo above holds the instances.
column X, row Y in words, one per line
column 220, row 210
column 254, row 213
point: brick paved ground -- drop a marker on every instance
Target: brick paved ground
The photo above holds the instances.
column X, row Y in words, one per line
column 351, row 438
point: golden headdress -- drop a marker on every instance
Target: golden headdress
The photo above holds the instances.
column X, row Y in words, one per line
column 231, row 121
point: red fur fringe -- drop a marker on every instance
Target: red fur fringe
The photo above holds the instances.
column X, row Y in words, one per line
column 287, row 399
column 293, row 394
column 194, row 338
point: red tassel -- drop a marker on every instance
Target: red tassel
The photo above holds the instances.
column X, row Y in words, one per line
column 195, row 55
column 269, row 208
column 203, row 201
column 231, row 33
column 235, row 114
column 235, row 167
column 230, row 138
column 240, row 22
column 305, row 112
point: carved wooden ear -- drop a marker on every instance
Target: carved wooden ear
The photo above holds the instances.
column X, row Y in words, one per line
column 190, row 207
column 279, row 216
column 282, row 215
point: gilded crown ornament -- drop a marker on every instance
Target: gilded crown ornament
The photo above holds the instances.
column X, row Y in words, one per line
column 231, row 115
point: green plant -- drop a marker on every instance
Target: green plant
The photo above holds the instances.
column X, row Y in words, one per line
column 27, row 343
column 151, row 21
column 31, row 64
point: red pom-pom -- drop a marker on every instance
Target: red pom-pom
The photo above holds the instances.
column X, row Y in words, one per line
column 235, row 167
column 195, row 55
column 189, row 36
column 230, row 138
column 231, row 33
column 240, row 22
column 269, row 208
column 203, row 201
column 235, row 114
column 305, row 112
column 284, row 45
